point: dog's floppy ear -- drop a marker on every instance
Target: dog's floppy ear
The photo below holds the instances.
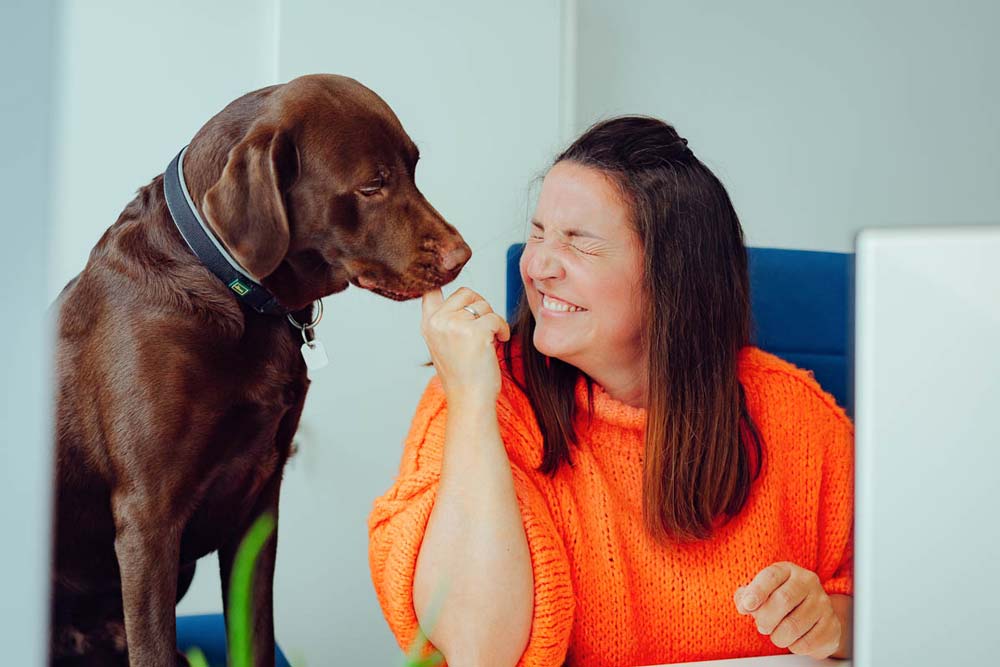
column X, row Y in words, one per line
column 246, row 207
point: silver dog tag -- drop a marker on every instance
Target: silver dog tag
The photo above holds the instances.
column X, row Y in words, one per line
column 314, row 354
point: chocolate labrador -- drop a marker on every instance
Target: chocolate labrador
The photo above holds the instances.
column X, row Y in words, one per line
column 180, row 378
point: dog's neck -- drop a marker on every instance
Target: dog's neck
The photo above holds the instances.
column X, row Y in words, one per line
column 303, row 276
column 203, row 243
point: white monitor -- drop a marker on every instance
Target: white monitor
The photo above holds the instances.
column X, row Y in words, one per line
column 927, row 510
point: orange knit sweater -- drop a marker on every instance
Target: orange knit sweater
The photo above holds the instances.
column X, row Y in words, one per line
column 605, row 592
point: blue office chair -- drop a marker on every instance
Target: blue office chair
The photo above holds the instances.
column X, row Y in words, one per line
column 208, row 633
column 802, row 307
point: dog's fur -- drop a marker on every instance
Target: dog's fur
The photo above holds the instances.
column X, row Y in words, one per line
column 176, row 403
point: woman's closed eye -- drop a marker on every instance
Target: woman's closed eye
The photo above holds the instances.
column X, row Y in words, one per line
column 571, row 239
column 582, row 246
column 573, row 244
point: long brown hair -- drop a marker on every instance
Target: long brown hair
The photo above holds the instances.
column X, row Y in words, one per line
column 702, row 450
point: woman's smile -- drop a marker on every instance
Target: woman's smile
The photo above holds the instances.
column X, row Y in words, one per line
column 552, row 304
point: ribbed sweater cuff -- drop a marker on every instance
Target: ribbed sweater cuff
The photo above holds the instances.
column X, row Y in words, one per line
column 839, row 585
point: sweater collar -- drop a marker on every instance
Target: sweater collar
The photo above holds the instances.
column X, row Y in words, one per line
column 608, row 410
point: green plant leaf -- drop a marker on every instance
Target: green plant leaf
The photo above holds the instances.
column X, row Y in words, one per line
column 417, row 647
column 241, row 611
column 196, row 658
column 420, row 641
column 432, row 660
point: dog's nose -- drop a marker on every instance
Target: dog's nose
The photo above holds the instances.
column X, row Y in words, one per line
column 455, row 257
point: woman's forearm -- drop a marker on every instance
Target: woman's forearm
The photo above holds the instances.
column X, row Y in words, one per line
column 473, row 586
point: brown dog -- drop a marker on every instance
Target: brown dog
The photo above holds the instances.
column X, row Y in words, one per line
column 177, row 402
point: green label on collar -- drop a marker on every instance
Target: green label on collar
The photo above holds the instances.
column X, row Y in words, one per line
column 239, row 287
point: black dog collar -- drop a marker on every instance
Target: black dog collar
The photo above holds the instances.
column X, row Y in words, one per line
column 207, row 248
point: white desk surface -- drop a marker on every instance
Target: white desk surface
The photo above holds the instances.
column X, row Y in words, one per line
column 770, row 661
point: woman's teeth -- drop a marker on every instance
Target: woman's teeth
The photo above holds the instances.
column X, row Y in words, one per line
column 559, row 306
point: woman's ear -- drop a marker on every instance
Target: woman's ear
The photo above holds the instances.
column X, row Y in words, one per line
column 246, row 207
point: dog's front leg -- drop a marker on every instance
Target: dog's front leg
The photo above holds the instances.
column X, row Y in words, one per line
column 147, row 543
column 263, row 585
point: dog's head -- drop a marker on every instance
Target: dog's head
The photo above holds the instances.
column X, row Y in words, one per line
column 310, row 186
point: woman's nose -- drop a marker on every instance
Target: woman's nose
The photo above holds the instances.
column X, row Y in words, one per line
column 542, row 264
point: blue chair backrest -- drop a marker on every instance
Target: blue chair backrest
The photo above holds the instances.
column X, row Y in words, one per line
column 801, row 302
column 207, row 632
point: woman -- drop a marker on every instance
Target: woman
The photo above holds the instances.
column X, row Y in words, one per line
column 626, row 481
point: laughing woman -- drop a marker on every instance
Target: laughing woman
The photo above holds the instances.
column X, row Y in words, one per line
column 619, row 478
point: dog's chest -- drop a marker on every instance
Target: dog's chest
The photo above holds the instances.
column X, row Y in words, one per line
column 250, row 443
column 239, row 485
column 232, row 499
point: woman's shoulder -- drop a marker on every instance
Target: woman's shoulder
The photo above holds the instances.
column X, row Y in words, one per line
column 787, row 391
column 797, row 419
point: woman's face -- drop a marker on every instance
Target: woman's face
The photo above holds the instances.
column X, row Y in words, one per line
column 582, row 271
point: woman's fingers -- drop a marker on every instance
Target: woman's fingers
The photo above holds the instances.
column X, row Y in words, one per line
column 796, row 624
column 821, row 641
column 433, row 303
column 759, row 590
column 462, row 297
column 504, row 332
column 430, row 303
column 478, row 308
column 497, row 325
column 460, row 332
column 779, row 604
column 788, row 603
column 463, row 305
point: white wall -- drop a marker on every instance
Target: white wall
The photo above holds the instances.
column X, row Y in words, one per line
column 137, row 81
column 476, row 86
column 27, row 65
column 819, row 117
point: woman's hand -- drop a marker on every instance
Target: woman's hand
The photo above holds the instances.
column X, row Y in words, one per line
column 789, row 604
column 460, row 332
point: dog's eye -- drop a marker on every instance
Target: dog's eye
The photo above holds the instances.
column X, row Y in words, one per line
column 372, row 187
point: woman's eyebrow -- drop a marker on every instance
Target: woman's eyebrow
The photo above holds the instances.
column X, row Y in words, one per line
column 571, row 232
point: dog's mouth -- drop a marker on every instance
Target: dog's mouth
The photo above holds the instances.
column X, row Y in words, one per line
column 371, row 285
column 414, row 282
